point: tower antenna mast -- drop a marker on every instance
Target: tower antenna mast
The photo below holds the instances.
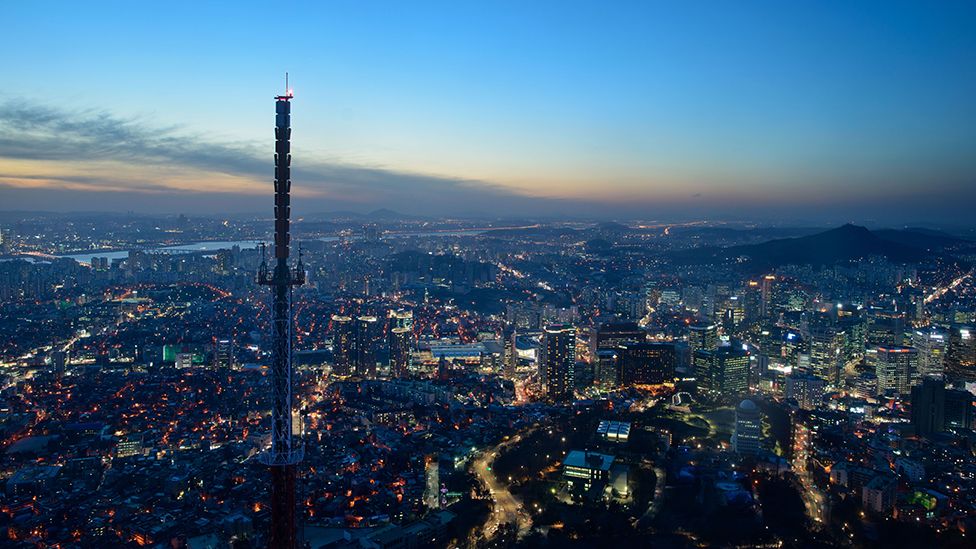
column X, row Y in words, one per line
column 285, row 453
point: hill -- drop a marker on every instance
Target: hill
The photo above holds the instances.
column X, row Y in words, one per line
column 846, row 243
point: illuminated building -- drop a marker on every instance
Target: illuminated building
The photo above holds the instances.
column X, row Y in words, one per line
column 585, row 468
column 364, row 346
column 896, row 368
column 702, row 337
column 343, row 337
column 960, row 357
column 223, row 354
column 559, row 361
column 607, row 369
column 806, row 389
column 826, row 353
column 646, row 363
column 748, row 428
column 931, row 346
column 509, row 353
column 401, row 342
column 724, row 370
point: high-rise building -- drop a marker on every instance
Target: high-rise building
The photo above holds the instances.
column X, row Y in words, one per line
column 401, row 342
column 646, row 363
column 885, row 328
column 958, row 409
column 826, row 353
column 960, row 357
column 928, row 406
column 559, row 361
column 808, row 390
column 748, row 428
column 896, row 368
column 365, row 345
column 607, row 369
column 612, row 334
column 343, row 338
column 724, row 370
column 509, row 352
column 702, row 337
column 931, row 345
column 223, row 354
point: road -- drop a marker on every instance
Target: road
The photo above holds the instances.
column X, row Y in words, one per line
column 655, row 505
column 813, row 498
column 506, row 507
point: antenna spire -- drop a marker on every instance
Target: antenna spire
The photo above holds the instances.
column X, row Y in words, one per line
column 287, row 89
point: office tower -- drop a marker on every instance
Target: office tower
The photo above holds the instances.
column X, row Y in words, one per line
column 364, row 347
column 960, row 356
column 509, row 353
column 928, row 406
column 559, row 361
column 607, row 369
column 766, row 289
column 343, row 337
column 733, row 314
column 223, row 354
column 724, row 370
column 885, row 328
column 748, row 428
column 826, row 353
column 284, row 454
column 958, row 409
column 896, row 368
column 612, row 334
column 646, row 363
column 401, row 342
column 931, row 345
column 702, row 337
column 752, row 301
column 807, row 390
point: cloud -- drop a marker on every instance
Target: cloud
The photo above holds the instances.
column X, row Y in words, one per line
column 48, row 147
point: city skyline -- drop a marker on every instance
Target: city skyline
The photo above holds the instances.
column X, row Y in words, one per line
column 816, row 114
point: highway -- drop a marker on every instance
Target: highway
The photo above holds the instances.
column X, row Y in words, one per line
column 506, row 508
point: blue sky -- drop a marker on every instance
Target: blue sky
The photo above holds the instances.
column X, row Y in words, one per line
column 847, row 110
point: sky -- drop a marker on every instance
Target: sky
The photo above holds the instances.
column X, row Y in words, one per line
column 769, row 111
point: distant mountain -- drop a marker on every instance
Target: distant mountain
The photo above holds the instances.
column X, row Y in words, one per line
column 923, row 239
column 846, row 243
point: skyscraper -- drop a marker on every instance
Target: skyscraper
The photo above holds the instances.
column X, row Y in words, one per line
column 343, row 336
column 559, row 361
column 401, row 341
column 931, row 345
column 896, row 368
column 724, row 370
column 702, row 337
column 826, row 353
column 928, row 406
column 365, row 343
column 960, row 357
column 509, row 352
column 607, row 369
column 646, row 363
